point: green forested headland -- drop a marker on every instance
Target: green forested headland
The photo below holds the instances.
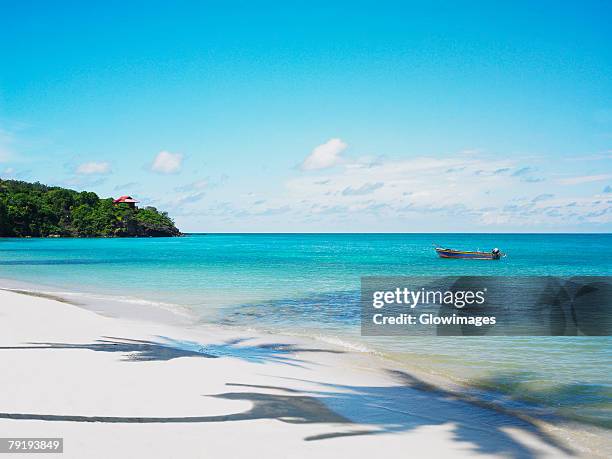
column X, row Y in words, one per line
column 36, row 210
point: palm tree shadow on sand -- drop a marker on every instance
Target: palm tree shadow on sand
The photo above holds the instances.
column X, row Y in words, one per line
column 360, row 410
column 395, row 409
column 166, row 348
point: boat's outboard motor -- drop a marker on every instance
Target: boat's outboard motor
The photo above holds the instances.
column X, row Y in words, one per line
column 496, row 253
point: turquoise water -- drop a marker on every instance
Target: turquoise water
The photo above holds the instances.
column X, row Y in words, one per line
column 308, row 284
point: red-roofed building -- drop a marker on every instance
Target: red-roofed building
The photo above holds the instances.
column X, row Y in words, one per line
column 126, row 200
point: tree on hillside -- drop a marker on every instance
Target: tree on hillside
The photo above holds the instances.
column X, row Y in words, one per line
column 36, row 210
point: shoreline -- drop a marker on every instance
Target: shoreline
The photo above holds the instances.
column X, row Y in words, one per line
column 325, row 366
column 156, row 312
column 128, row 307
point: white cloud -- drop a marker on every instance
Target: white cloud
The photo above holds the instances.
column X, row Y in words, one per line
column 93, row 168
column 324, row 156
column 584, row 179
column 167, row 163
column 418, row 193
column 459, row 188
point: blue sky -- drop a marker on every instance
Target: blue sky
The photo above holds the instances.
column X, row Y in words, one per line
column 306, row 116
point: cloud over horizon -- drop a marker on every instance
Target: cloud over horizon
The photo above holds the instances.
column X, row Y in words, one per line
column 451, row 192
column 473, row 189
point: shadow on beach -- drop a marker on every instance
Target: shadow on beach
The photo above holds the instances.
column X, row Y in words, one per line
column 168, row 349
column 347, row 410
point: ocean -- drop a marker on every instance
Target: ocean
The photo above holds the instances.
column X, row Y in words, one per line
column 308, row 285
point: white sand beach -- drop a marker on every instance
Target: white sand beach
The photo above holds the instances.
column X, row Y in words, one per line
column 121, row 387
